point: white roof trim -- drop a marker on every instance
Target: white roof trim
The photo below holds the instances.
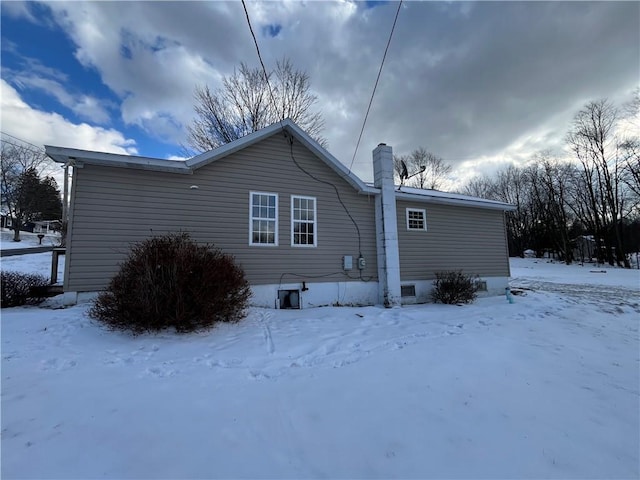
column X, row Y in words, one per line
column 445, row 198
column 79, row 157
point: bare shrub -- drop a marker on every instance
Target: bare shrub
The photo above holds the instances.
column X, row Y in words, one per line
column 171, row 281
column 454, row 287
column 21, row 289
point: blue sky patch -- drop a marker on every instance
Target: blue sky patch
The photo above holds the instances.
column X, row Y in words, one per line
column 45, row 51
column 368, row 4
column 272, row 30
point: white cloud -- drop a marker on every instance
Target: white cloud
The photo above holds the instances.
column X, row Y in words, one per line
column 85, row 106
column 42, row 128
column 476, row 83
column 152, row 55
column 18, row 10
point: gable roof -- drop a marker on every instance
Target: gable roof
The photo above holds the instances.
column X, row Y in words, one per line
column 82, row 157
column 79, row 158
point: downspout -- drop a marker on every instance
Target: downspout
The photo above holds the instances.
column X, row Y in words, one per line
column 65, row 201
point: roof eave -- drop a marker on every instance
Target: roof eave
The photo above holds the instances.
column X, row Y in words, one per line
column 77, row 157
column 490, row 205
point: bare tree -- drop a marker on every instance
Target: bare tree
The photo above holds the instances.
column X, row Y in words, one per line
column 550, row 183
column 629, row 145
column 593, row 142
column 511, row 185
column 397, row 166
column 432, row 176
column 481, row 187
column 25, row 196
column 630, row 155
column 245, row 104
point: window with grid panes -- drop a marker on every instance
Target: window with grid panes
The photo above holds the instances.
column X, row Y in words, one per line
column 303, row 221
column 416, row 219
column 263, row 224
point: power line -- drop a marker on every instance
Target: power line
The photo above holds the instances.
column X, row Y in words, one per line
column 264, row 70
column 24, row 147
column 376, row 84
column 40, row 149
column 290, row 140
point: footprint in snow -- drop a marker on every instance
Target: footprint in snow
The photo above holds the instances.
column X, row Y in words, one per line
column 258, row 376
column 57, row 365
column 159, row 372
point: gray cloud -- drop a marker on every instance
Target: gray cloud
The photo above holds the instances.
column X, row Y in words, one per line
column 469, row 81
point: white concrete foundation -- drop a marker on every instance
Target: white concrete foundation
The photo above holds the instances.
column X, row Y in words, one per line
column 329, row 293
column 495, row 286
column 318, row 294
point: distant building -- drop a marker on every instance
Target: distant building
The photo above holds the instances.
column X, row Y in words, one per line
column 584, row 248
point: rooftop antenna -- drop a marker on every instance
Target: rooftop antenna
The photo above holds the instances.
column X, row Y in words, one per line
column 404, row 174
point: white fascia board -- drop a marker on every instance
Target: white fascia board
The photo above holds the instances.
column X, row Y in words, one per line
column 461, row 202
column 87, row 157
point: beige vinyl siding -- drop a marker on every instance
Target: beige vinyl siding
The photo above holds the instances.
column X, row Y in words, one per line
column 456, row 238
column 115, row 207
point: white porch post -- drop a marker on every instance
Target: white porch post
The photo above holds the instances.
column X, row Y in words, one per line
column 386, row 227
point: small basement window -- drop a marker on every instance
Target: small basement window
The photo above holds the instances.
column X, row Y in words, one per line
column 407, row 290
column 416, row 219
column 482, row 285
column 289, row 299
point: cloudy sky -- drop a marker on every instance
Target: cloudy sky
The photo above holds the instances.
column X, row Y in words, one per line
column 479, row 84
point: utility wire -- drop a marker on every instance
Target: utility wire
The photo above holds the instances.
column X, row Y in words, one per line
column 23, row 147
column 376, row 84
column 40, row 149
column 264, row 70
column 290, row 139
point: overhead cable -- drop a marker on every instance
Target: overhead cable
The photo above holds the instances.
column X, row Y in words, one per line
column 40, row 149
column 264, row 70
column 376, row 84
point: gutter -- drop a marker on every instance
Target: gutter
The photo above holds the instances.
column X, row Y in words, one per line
column 490, row 205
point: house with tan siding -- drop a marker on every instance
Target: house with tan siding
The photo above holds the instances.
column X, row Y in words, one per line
column 306, row 230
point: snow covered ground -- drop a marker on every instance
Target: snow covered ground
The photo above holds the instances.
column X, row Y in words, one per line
column 33, row 262
column 545, row 387
column 27, row 239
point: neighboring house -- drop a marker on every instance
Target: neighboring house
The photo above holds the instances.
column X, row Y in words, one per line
column 306, row 230
column 5, row 221
column 47, row 226
column 584, row 248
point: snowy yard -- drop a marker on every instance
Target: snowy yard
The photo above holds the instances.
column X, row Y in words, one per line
column 27, row 239
column 545, row 387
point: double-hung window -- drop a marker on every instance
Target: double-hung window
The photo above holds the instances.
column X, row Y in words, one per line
column 416, row 219
column 263, row 221
column 303, row 222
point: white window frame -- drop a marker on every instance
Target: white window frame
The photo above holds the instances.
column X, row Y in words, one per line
column 424, row 219
column 315, row 222
column 252, row 218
